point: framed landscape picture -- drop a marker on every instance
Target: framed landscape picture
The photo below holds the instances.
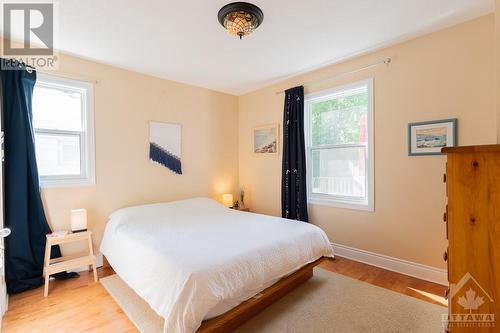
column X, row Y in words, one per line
column 265, row 139
column 427, row 138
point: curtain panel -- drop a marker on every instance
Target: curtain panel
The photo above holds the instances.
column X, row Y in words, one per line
column 24, row 213
column 293, row 184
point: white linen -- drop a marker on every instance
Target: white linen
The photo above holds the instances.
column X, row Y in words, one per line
column 192, row 258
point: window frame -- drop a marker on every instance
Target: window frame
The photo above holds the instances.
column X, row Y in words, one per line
column 87, row 147
column 367, row 204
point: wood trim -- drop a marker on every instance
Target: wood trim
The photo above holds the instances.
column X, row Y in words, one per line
column 105, row 262
column 471, row 149
column 234, row 318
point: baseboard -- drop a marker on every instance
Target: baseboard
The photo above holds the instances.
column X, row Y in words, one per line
column 420, row 271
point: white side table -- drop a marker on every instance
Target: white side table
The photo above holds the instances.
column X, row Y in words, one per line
column 52, row 266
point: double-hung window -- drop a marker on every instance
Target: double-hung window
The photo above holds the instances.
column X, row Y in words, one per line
column 63, row 128
column 339, row 139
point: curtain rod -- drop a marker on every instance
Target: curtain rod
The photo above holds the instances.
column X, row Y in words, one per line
column 62, row 75
column 386, row 61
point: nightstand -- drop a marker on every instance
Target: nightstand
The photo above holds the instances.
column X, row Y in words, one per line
column 56, row 265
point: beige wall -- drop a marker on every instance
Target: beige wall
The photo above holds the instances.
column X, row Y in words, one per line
column 124, row 103
column 446, row 74
column 442, row 75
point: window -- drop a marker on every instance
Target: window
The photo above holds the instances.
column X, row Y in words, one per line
column 63, row 126
column 339, row 139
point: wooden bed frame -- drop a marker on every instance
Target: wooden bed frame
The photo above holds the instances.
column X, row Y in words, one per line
column 237, row 316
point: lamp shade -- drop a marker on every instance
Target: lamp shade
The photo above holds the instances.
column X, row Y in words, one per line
column 227, row 200
column 78, row 220
column 240, row 18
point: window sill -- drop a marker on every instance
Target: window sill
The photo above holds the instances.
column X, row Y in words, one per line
column 54, row 183
column 341, row 204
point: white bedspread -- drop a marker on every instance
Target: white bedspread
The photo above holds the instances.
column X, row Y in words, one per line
column 189, row 259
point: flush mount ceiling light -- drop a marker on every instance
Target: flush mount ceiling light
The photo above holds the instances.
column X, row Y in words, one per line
column 240, row 18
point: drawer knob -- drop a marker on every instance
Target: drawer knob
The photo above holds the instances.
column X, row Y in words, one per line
column 445, row 256
column 472, row 220
column 445, row 217
column 444, row 178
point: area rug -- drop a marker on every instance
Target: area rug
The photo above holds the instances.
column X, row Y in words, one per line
column 328, row 302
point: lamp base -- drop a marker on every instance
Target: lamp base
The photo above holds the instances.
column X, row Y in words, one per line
column 80, row 230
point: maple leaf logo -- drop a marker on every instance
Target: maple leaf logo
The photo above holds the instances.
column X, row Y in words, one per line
column 470, row 301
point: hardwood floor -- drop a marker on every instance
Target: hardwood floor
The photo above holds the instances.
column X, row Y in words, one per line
column 404, row 284
column 77, row 305
column 81, row 305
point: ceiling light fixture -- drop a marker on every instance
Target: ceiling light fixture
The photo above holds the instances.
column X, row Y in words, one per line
column 240, row 18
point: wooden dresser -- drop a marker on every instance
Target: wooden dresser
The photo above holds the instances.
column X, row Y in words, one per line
column 472, row 220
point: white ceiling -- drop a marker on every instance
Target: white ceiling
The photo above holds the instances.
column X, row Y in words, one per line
column 182, row 40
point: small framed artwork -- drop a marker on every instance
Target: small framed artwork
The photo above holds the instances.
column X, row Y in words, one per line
column 265, row 139
column 427, row 138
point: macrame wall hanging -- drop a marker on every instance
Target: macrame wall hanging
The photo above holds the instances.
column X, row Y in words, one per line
column 165, row 145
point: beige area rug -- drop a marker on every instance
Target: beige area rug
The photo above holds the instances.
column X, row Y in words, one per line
column 328, row 302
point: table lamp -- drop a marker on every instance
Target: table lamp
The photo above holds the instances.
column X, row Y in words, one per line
column 78, row 220
column 227, row 200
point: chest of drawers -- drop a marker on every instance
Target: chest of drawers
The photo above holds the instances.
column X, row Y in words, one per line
column 472, row 221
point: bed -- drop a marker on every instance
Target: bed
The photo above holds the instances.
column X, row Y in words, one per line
column 193, row 260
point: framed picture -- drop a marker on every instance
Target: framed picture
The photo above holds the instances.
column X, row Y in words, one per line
column 427, row 138
column 265, row 139
column 165, row 145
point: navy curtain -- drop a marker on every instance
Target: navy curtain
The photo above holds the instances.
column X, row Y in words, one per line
column 293, row 181
column 24, row 213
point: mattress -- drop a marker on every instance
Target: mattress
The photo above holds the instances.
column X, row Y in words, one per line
column 194, row 259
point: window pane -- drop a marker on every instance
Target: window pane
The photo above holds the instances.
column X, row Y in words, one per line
column 57, row 154
column 341, row 119
column 57, row 108
column 339, row 171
